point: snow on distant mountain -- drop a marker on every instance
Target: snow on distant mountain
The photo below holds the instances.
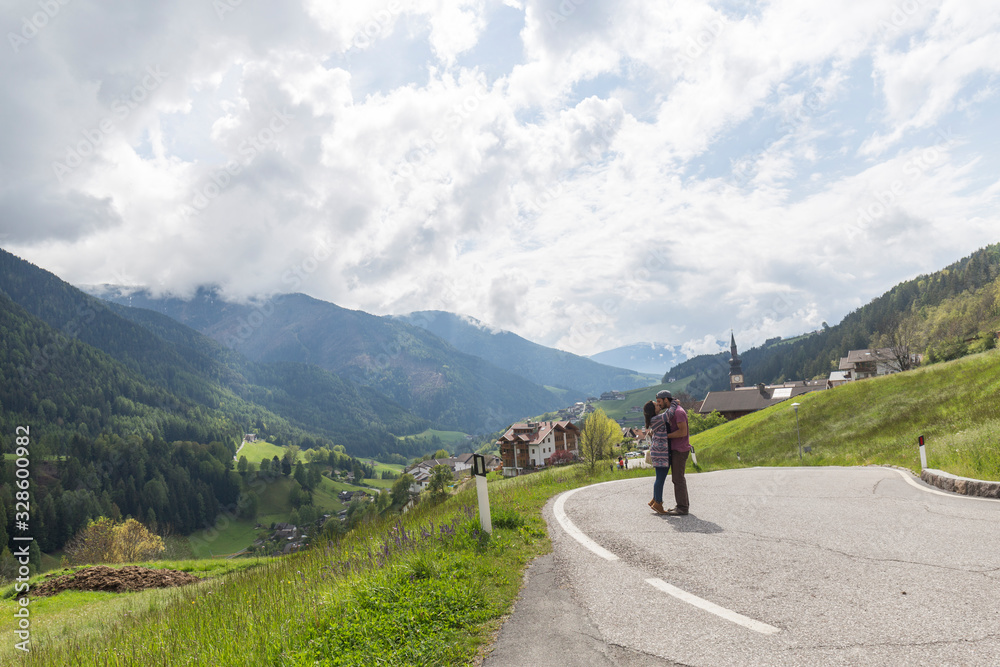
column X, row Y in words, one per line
column 656, row 358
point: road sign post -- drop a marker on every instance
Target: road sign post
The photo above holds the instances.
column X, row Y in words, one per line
column 479, row 472
column 923, row 454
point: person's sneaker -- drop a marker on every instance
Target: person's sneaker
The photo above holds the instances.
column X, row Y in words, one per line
column 676, row 511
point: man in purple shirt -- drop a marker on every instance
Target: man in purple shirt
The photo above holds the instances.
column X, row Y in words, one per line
column 680, row 447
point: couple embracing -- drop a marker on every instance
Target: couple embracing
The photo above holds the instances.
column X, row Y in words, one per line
column 669, row 450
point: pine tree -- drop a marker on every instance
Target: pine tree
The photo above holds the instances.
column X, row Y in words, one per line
column 4, row 538
column 8, row 565
column 314, row 477
column 34, row 557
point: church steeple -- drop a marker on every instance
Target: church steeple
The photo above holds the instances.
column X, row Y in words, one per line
column 735, row 365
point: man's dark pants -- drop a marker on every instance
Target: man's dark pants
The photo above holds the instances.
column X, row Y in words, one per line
column 677, row 462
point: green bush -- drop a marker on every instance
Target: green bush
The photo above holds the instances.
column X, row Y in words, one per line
column 986, row 340
column 947, row 350
column 506, row 518
column 697, row 423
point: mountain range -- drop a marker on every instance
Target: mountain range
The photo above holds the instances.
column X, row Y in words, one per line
column 540, row 364
column 406, row 364
column 305, row 371
column 74, row 364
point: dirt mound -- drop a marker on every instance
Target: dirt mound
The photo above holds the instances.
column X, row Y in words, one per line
column 114, row 580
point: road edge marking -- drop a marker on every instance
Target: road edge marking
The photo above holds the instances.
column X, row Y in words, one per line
column 912, row 482
column 560, row 513
column 712, row 608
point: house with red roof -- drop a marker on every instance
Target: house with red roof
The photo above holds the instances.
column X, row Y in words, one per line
column 531, row 445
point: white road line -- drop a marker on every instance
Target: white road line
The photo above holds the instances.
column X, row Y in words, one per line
column 559, row 511
column 712, row 608
column 574, row 532
column 912, row 482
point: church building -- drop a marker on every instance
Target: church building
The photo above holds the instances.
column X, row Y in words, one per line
column 742, row 399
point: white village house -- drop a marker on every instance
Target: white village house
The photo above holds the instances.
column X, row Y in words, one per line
column 531, row 445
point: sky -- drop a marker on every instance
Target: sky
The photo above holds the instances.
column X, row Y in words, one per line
column 585, row 173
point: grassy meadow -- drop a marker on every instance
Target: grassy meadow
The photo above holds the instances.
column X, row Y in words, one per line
column 448, row 438
column 261, row 449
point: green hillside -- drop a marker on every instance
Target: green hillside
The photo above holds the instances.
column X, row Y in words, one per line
column 953, row 404
column 432, row 440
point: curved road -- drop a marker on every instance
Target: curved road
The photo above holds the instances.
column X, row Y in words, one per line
column 774, row 566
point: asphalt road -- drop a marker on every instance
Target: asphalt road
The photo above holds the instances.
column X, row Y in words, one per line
column 774, row 566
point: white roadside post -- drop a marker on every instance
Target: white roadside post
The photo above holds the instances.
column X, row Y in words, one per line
column 923, row 454
column 479, row 471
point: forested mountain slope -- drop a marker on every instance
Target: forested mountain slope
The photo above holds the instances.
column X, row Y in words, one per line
column 86, row 366
column 410, row 365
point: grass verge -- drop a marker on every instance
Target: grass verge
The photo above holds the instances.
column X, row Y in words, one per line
column 428, row 588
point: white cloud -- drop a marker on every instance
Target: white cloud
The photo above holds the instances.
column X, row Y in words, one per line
column 642, row 171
